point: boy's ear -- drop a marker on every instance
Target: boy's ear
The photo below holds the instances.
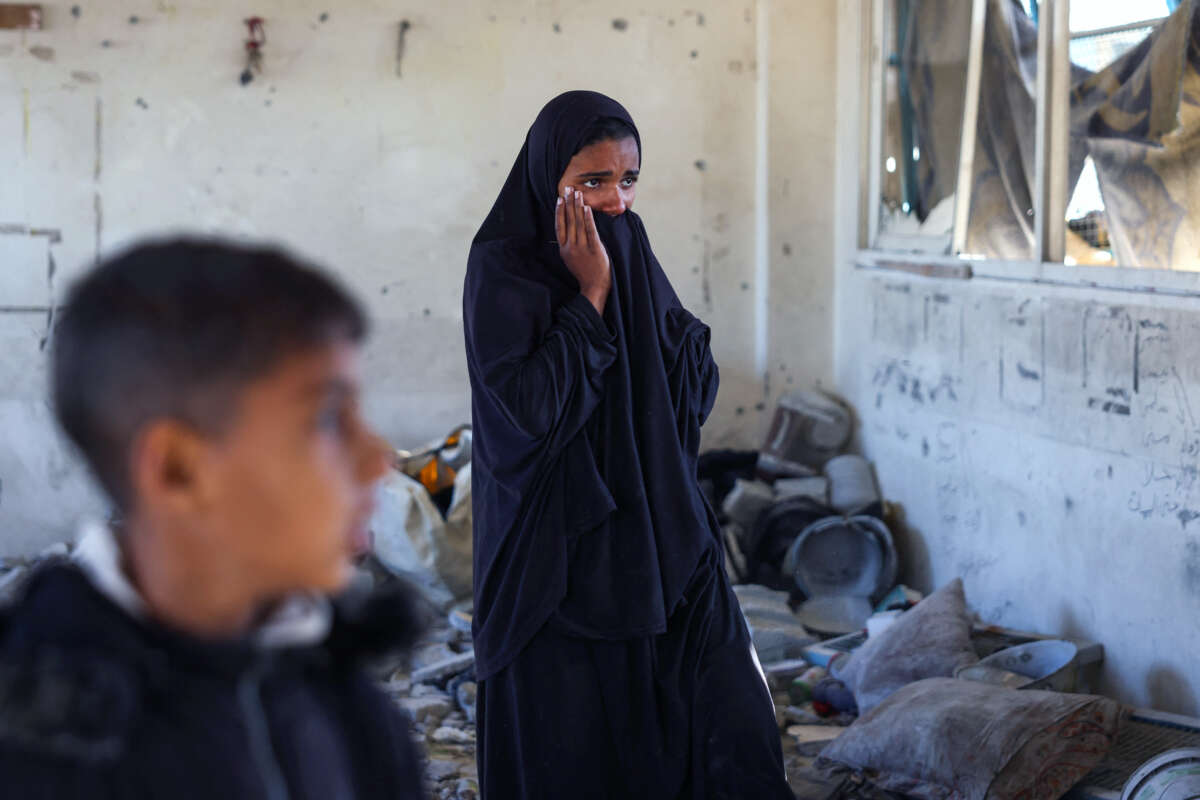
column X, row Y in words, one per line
column 170, row 468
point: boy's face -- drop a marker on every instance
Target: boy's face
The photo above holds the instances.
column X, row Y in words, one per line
column 292, row 478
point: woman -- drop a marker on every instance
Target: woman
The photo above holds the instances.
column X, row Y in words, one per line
column 612, row 657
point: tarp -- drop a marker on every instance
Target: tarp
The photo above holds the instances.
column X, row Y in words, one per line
column 1139, row 120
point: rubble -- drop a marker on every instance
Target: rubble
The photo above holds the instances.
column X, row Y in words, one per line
column 449, row 734
column 774, row 629
column 465, row 695
column 454, row 664
column 747, row 502
column 426, row 710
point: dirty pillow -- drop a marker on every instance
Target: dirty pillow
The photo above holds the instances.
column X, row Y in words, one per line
column 931, row 640
column 948, row 739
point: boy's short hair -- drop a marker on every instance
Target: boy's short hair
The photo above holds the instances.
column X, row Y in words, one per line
column 176, row 329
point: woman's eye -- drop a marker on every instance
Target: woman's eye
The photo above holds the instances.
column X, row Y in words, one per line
column 591, row 184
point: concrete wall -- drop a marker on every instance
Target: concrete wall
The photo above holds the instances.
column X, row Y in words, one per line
column 1042, row 440
column 124, row 119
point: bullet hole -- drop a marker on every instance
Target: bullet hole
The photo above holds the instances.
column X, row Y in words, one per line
column 701, row 164
column 1069, row 504
column 1021, row 518
column 134, row 20
column 1110, row 470
column 557, row 28
column 267, row 103
column 384, row 290
column 324, row 17
column 246, row 77
column 620, row 24
column 142, row 103
column 739, row 411
column 925, row 448
column 783, row 367
column 76, row 11
column 695, row 54
column 695, row 270
column 671, row 23
column 426, row 312
column 745, row 286
column 700, row 19
column 760, row 406
column 787, row 249
column 106, row 43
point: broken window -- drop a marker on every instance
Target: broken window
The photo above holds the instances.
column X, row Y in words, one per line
column 1113, row 151
column 929, row 182
column 923, row 85
column 1135, row 129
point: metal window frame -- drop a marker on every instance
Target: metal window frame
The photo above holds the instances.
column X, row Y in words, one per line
column 879, row 35
column 922, row 254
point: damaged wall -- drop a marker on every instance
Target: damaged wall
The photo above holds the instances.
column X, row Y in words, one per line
column 127, row 118
column 1042, row 440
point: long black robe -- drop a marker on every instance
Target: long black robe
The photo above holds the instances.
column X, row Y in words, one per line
column 590, row 525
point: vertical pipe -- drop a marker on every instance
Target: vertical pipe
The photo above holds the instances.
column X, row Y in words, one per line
column 762, row 250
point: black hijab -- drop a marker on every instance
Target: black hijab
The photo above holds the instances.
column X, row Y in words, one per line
column 586, row 429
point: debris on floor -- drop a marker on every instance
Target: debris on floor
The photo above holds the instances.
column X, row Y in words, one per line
column 422, row 525
column 774, row 629
column 435, row 686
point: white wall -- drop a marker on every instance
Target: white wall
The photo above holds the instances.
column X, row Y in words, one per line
column 128, row 119
column 1042, row 440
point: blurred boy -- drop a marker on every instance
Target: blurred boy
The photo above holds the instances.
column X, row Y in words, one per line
column 193, row 653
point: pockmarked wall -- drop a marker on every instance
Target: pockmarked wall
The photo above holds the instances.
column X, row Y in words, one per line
column 1042, row 440
column 374, row 141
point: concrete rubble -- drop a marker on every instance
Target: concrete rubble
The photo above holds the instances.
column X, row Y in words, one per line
column 435, row 686
column 774, row 629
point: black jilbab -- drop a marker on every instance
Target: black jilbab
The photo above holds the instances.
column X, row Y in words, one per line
column 602, row 612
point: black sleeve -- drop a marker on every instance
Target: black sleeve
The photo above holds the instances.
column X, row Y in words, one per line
column 544, row 390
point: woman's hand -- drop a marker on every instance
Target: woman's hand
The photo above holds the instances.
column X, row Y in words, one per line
column 581, row 249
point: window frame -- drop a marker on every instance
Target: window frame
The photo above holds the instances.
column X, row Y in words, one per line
column 930, row 255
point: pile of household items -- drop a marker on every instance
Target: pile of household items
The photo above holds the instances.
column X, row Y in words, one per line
column 880, row 693
column 883, row 693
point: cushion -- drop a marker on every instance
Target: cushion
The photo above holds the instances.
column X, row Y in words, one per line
column 948, row 739
column 931, row 640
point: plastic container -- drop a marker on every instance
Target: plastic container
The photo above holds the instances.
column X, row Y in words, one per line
column 1174, row 775
column 1051, row 664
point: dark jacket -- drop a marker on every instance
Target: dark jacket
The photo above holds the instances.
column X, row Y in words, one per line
column 96, row 704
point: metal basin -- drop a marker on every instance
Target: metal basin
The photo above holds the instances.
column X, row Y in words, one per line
column 1050, row 664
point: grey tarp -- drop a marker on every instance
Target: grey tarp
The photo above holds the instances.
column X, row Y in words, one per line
column 1139, row 119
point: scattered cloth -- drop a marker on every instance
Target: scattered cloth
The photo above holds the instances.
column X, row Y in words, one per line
column 930, row 641
column 947, row 739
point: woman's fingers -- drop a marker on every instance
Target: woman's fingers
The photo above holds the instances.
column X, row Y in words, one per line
column 568, row 218
column 560, row 222
column 580, row 223
column 593, row 236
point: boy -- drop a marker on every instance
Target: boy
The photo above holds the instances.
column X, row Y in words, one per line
column 192, row 652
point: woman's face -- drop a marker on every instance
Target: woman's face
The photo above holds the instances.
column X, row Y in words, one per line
column 606, row 174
